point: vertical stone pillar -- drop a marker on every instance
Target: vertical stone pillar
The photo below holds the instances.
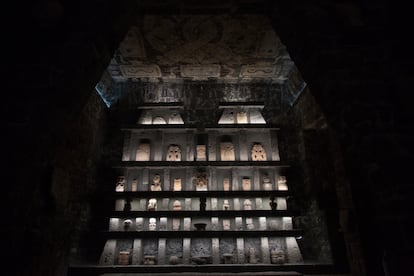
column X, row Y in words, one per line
column 262, row 223
column 166, row 182
column 239, row 223
column 126, row 150
column 293, row 252
column 163, row 224
column 165, row 204
column 236, row 204
column 256, row 179
column 188, row 184
column 187, row 224
column 139, row 223
column 157, row 146
column 212, row 179
column 145, row 179
column 114, row 224
column 137, row 252
column 212, row 146
column 287, row 223
column 281, row 203
column 214, row 223
column 235, row 179
column 214, row 204
column 215, row 248
column 259, row 203
column 162, row 244
column 108, row 254
column 186, row 250
column 190, row 145
column 265, row 250
column 243, row 146
column 240, row 250
column 274, row 145
column 187, row 204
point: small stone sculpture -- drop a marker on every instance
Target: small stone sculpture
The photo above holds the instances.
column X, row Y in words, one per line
column 201, row 182
column 177, row 184
column 176, row 224
column 258, row 153
column 277, row 256
column 227, row 151
column 177, row 205
column 249, row 224
column 226, row 184
column 127, row 224
column 149, row 260
column 267, row 185
column 241, row 117
column 152, row 225
column 226, row 205
column 252, row 256
column 156, row 183
column 201, row 153
column 246, row 184
column 123, row 258
column 247, row 204
column 143, row 152
column 281, row 183
column 120, row 184
column 152, row 204
column 226, row 224
column 134, row 185
column 174, row 153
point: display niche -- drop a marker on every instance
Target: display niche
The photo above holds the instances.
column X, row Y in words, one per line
column 216, row 196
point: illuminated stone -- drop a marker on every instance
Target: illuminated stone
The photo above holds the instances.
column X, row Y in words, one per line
column 258, row 153
column 143, row 152
column 227, row 151
column 174, row 153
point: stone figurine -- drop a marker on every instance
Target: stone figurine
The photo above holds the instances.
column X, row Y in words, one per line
column 249, row 224
column 143, row 152
column 156, row 183
column 127, row 224
column 120, row 184
column 277, row 256
column 267, row 185
column 226, row 205
column 177, row 186
column 201, row 153
column 201, row 182
column 246, row 184
column 174, row 153
column 247, row 204
column 152, row 224
column 241, row 117
column 226, row 184
column 152, row 204
column 258, row 153
column 227, row 151
column 177, row 205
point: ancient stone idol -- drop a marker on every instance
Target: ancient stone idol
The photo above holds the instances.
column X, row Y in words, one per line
column 247, row 204
column 252, row 256
column 226, row 184
column 246, row 184
column 152, row 204
column 226, row 224
column 174, row 153
column 177, row 184
column 143, row 152
column 226, row 205
column 152, row 225
column 227, row 151
column 127, row 224
column 281, row 183
column 201, row 153
column 241, row 117
column 177, row 205
column 258, row 153
column 277, row 256
column 120, row 184
column 123, row 258
column 201, row 182
column 267, row 185
column 156, row 183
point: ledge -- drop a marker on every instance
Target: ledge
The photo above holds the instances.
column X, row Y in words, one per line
column 198, row 194
column 163, row 164
column 181, row 127
column 205, row 214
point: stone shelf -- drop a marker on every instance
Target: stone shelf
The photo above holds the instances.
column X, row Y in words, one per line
column 131, row 234
column 198, row 194
column 179, row 127
column 184, row 164
column 205, row 214
column 217, row 269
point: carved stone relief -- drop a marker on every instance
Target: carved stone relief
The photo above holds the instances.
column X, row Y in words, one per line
column 247, row 204
column 152, row 225
column 226, row 224
column 201, row 182
column 140, row 71
column 282, row 183
column 258, row 153
column 174, row 153
column 249, row 224
column 152, row 204
column 177, row 205
column 143, row 152
column 241, row 117
column 267, row 185
column 226, row 205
